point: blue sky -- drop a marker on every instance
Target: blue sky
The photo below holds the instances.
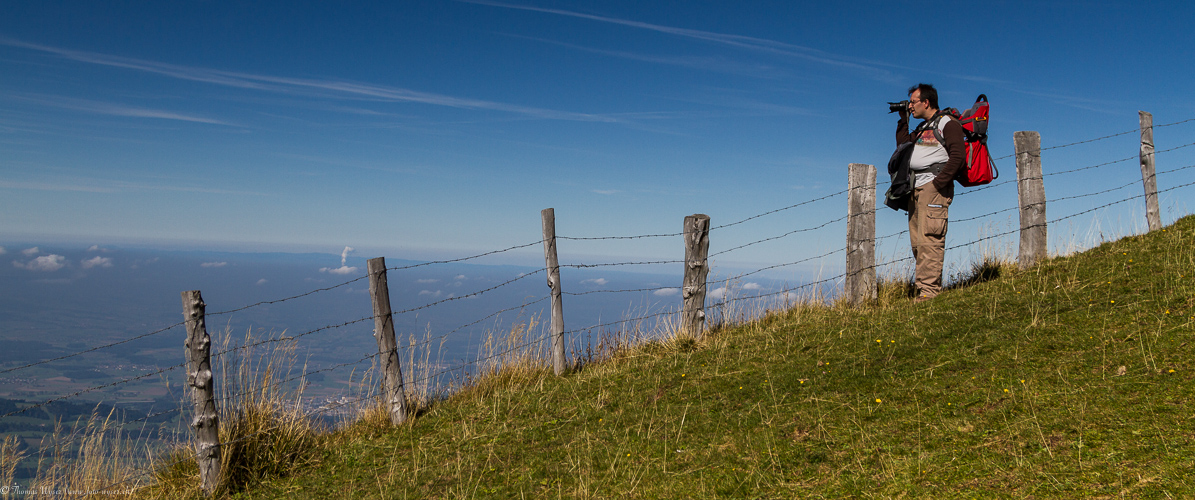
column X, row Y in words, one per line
column 437, row 129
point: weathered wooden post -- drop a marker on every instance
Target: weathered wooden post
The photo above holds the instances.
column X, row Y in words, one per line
column 394, row 395
column 697, row 247
column 1031, row 194
column 860, row 283
column 553, row 267
column 199, row 379
column 1152, row 214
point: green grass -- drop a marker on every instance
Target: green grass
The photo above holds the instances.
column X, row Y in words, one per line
column 1072, row 379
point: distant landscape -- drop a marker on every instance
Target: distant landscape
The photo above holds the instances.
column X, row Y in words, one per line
column 83, row 298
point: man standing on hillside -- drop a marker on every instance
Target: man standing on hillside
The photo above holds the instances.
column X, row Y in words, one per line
column 938, row 154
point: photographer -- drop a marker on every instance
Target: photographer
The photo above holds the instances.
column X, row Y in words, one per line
column 937, row 155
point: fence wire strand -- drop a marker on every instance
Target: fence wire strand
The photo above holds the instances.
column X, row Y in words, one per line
column 474, row 294
column 790, row 233
column 91, row 389
column 105, row 346
column 462, row 259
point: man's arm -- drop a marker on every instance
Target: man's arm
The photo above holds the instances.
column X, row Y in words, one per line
column 902, row 129
column 956, row 147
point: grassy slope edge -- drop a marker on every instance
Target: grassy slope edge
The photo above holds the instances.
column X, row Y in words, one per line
column 1071, row 379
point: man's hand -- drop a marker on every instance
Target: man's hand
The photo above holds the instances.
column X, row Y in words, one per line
column 904, row 113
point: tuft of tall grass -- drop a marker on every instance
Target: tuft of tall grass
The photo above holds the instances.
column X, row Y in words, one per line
column 11, row 455
column 264, row 431
column 92, row 456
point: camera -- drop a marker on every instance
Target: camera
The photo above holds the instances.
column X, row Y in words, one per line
column 895, row 107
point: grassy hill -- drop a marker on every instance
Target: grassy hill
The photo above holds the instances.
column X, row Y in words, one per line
column 1072, row 379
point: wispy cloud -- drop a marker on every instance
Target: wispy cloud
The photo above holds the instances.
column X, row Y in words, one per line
column 326, row 88
column 29, row 252
column 872, row 69
column 666, row 292
column 96, row 261
column 606, row 191
column 595, row 281
column 338, row 270
column 45, row 263
column 213, row 264
column 704, row 63
column 94, row 185
column 105, row 108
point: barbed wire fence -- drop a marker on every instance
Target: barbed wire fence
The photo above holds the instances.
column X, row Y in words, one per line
column 532, row 346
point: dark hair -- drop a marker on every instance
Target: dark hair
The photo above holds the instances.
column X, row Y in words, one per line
column 927, row 92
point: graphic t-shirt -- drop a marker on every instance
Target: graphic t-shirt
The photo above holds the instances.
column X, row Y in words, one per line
column 926, row 152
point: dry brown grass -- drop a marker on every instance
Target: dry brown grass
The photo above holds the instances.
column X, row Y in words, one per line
column 264, row 432
column 91, row 460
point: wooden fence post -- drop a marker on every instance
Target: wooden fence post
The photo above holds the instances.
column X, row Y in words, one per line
column 394, row 394
column 199, row 378
column 697, row 247
column 553, row 267
column 1031, row 195
column 1148, row 176
column 860, row 283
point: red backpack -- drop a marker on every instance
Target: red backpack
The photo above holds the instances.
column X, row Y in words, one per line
column 979, row 169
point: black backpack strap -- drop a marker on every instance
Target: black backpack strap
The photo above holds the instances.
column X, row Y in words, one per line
column 933, row 125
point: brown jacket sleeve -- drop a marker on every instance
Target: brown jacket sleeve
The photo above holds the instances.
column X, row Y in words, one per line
column 956, row 147
column 902, row 131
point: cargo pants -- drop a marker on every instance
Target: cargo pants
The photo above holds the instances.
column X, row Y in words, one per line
column 928, row 213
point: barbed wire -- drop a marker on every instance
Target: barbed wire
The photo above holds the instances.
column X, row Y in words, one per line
column 621, row 321
column 91, row 389
column 491, row 315
column 1095, row 193
column 993, row 236
column 840, row 219
column 147, row 417
column 232, row 396
column 462, row 259
column 795, row 288
column 510, row 349
column 267, row 302
column 998, row 212
column 359, row 278
column 60, row 358
column 292, row 337
column 775, row 266
column 1160, row 191
column 1122, row 160
column 616, row 264
column 474, row 294
column 723, row 226
column 625, row 290
column 1131, row 183
column 1175, row 123
column 770, row 212
column 1173, row 170
column 635, row 237
column 1137, row 130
